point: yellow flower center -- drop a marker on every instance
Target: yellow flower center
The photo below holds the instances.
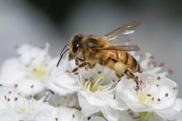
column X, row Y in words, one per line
column 38, row 72
column 94, row 86
column 22, row 107
column 142, row 98
column 147, row 99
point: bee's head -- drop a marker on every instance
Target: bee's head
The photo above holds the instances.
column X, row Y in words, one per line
column 75, row 46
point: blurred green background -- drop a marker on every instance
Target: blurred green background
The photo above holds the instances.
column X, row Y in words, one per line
column 55, row 21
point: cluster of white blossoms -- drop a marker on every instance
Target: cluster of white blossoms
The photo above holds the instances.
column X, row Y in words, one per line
column 32, row 88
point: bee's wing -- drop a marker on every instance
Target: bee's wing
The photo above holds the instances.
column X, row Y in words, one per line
column 123, row 31
column 121, row 48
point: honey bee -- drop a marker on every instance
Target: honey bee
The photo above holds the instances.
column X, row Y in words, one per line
column 90, row 50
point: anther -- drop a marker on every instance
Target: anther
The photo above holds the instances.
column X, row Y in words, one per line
column 170, row 71
column 149, row 95
column 56, row 119
column 15, row 99
column 50, row 91
column 161, row 65
column 32, row 86
column 158, row 78
column 44, row 101
column 114, row 96
column 89, row 118
column 16, row 85
column 166, row 94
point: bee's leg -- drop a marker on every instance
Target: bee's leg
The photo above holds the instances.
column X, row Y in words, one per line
column 90, row 67
column 77, row 60
column 79, row 66
column 130, row 75
column 119, row 75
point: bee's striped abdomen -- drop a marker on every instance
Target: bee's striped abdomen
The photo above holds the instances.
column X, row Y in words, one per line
column 128, row 60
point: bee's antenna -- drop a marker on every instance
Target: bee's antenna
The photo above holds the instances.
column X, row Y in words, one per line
column 62, row 53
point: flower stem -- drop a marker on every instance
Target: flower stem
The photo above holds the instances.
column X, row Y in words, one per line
column 35, row 97
column 100, row 114
column 142, row 115
column 79, row 108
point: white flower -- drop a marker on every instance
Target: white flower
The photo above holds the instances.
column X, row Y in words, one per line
column 149, row 65
column 61, row 82
column 19, row 107
column 156, row 94
column 178, row 108
column 15, row 106
column 31, row 68
column 70, row 100
column 93, row 89
column 117, row 115
column 96, row 86
column 68, row 114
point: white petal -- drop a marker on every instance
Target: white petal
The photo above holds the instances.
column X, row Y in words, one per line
column 138, row 107
column 67, row 114
column 126, row 118
column 154, row 70
column 10, row 115
column 125, row 91
column 178, row 105
column 153, row 117
column 61, row 82
column 117, row 104
column 96, row 119
column 61, row 89
column 68, row 100
column 53, row 63
column 44, row 113
column 28, row 53
column 167, row 87
column 144, row 64
column 167, row 113
column 173, row 112
column 11, row 71
column 29, row 86
column 110, row 114
column 89, row 106
column 93, row 100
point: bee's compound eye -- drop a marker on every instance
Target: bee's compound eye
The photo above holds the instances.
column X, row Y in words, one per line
column 76, row 43
column 76, row 47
